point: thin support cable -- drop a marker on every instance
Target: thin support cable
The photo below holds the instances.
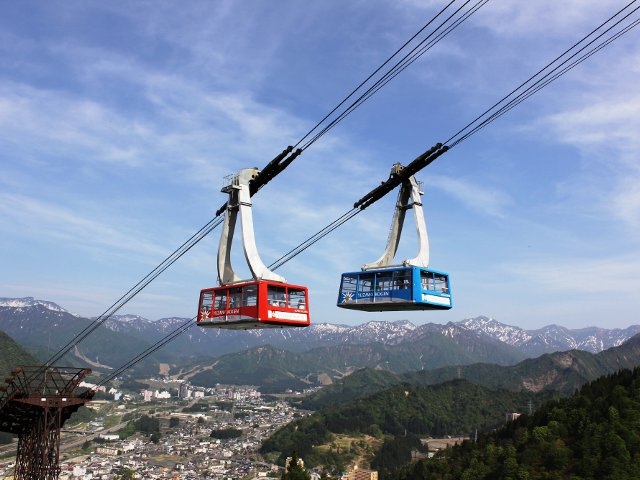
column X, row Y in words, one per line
column 353, row 92
column 551, row 76
column 153, row 348
column 137, row 288
column 314, row 238
column 539, row 72
column 400, row 66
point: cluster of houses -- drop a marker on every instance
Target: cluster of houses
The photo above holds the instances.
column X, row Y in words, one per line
column 185, row 448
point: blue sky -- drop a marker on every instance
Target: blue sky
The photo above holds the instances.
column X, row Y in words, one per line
column 119, row 120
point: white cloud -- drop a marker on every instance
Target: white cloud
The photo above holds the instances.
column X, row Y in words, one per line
column 606, row 275
column 34, row 217
column 605, row 132
column 518, row 19
column 479, row 199
column 608, row 122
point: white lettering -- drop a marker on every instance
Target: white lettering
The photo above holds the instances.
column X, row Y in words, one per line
column 231, row 311
column 381, row 293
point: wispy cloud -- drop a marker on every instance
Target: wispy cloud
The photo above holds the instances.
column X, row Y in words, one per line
column 513, row 18
column 582, row 276
column 35, row 217
column 605, row 132
column 478, row 198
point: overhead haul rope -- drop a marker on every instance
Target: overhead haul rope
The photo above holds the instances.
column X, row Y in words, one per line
column 186, row 325
column 433, row 153
column 271, row 170
column 137, row 288
column 567, row 60
column 446, row 26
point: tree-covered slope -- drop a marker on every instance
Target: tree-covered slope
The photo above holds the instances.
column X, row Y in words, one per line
column 12, row 355
column 592, row 435
column 453, row 408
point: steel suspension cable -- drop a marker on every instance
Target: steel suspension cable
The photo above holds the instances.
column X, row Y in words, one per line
column 149, row 350
column 480, row 121
column 522, row 97
column 314, row 238
column 363, row 83
column 137, row 288
column 425, row 45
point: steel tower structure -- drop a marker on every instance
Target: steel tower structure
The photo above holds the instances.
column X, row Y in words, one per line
column 34, row 404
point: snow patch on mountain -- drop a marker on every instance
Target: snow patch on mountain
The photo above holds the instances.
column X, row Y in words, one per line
column 29, row 302
column 508, row 334
column 129, row 318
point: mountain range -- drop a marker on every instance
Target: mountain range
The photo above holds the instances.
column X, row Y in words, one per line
column 321, row 353
column 530, row 343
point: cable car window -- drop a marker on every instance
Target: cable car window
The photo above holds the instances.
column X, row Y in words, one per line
column 221, row 300
column 384, row 281
column 348, row 288
column 250, row 296
column 235, row 297
column 440, row 282
column 297, row 299
column 276, row 296
column 402, row 278
column 366, row 282
column 206, row 302
column 426, row 279
column 365, row 289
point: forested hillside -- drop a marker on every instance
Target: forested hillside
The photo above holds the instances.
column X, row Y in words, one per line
column 454, row 408
column 593, row 435
column 11, row 355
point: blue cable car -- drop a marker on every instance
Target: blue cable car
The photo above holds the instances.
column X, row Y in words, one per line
column 397, row 288
column 381, row 286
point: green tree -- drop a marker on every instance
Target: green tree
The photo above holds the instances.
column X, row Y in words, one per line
column 126, row 474
column 147, row 425
column 295, row 470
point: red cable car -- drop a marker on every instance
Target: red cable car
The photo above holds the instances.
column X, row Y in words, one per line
column 265, row 300
column 254, row 304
